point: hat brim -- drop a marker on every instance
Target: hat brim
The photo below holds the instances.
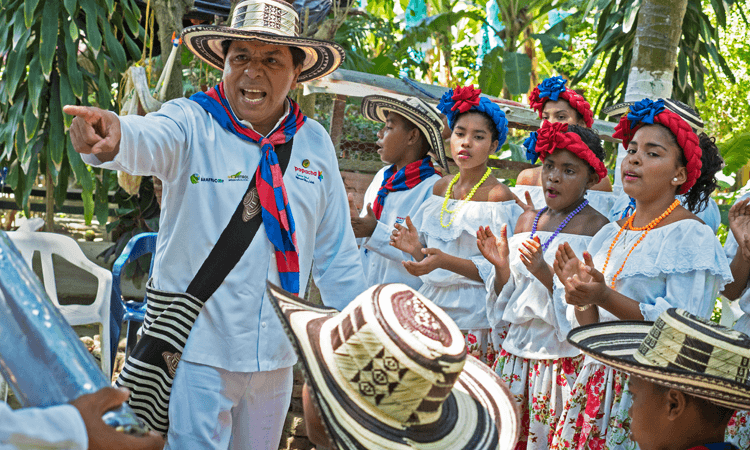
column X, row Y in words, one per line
column 321, row 57
column 618, row 109
column 377, row 107
column 615, row 344
column 480, row 412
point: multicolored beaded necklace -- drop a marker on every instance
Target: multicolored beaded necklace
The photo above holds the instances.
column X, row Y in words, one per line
column 448, row 191
column 559, row 228
column 629, row 225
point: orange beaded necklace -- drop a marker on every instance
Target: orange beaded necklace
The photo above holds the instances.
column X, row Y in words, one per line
column 629, row 224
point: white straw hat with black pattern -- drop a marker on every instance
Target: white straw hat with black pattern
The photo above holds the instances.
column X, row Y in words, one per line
column 391, row 372
column 690, row 116
column 269, row 21
column 416, row 111
column 679, row 350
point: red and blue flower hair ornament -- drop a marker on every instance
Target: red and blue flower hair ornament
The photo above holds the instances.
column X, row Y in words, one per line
column 465, row 98
column 554, row 89
column 651, row 112
column 552, row 136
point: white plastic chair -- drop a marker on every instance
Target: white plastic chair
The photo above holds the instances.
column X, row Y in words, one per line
column 67, row 248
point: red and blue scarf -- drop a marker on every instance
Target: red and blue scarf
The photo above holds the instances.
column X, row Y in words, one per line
column 409, row 176
column 275, row 210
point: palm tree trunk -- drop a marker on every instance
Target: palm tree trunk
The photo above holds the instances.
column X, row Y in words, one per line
column 657, row 40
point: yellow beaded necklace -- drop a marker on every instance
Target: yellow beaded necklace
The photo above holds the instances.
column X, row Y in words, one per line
column 448, row 191
column 629, row 225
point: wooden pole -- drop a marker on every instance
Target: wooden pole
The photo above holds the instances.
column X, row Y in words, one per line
column 337, row 121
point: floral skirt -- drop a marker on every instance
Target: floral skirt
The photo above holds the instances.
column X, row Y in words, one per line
column 585, row 420
column 738, row 430
column 541, row 388
column 479, row 346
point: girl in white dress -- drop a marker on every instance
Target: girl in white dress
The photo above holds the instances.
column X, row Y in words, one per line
column 554, row 102
column 442, row 237
column 535, row 361
column 737, row 249
column 661, row 257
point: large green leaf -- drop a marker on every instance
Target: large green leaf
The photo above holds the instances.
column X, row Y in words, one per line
column 15, row 115
column 517, row 67
column 35, row 83
column 74, row 75
column 736, row 153
column 492, row 75
column 28, row 11
column 61, row 188
column 16, row 66
column 93, row 34
column 83, row 176
column 67, row 97
column 56, row 137
column 115, row 50
column 71, row 7
column 30, row 122
column 48, row 41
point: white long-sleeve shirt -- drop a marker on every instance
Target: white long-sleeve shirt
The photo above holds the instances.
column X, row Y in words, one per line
column 381, row 261
column 206, row 170
column 57, row 427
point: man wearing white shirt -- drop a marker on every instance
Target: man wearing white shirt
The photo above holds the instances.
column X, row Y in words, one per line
column 78, row 426
column 233, row 383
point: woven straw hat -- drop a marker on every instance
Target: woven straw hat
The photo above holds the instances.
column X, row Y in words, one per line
column 689, row 115
column 391, row 372
column 269, row 21
column 679, row 350
column 416, row 111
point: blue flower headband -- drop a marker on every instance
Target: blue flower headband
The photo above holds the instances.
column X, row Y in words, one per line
column 530, row 144
column 645, row 111
column 552, row 88
column 462, row 99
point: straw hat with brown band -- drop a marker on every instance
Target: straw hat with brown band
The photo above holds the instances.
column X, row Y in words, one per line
column 416, row 111
column 269, row 21
column 679, row 350
column 391, row 372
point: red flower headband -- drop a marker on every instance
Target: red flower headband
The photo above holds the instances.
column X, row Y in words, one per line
column 552, row 88
column 686, row 137
column 552, row 136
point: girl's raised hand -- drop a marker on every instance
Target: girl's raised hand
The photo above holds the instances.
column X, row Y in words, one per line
column 493, row 249
column 739, row 223
column 406, row 239
column 528, row 205
column 584, row 284
column 532, row 255
column 432, row 260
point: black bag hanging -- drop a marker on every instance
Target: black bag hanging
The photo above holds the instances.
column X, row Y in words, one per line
column 150, row 368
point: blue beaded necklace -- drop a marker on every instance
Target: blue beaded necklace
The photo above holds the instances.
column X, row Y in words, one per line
column 559, row 228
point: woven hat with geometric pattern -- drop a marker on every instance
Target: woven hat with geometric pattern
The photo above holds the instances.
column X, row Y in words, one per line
column 391, row 372
column 679, row 350
column 416, row 111
column 270, row 21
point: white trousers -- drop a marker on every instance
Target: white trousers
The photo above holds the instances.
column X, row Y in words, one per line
column 211, row 408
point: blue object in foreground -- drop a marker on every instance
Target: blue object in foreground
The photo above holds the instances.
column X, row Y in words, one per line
column 41, row 356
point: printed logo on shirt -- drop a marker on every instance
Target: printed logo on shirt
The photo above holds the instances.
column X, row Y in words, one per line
column 306, row 175
column 196, row 178
column 238, row 177
column 400, row 220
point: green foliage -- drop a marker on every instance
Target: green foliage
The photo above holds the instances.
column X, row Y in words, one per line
column 616, row 24
column 736, row 152
column 59, row 52
column 517, row 67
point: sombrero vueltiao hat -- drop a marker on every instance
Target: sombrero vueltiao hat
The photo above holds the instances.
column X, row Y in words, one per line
column 391, row 372
column 270, row 21
column 679, row 350
column 691, row 116
column 416, row 111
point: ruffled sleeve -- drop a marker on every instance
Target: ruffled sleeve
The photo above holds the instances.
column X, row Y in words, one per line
column 678, row 265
